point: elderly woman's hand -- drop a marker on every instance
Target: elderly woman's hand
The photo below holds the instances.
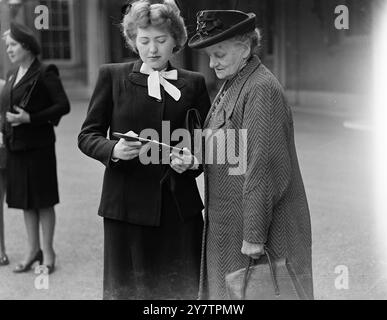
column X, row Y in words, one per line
column 18, row 118
column 253, row 250
column 183, row 162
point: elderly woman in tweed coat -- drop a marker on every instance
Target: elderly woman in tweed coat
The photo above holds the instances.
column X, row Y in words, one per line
column 264, row 205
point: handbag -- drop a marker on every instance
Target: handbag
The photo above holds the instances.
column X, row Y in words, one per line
column 27, row 95
column 267, row 280
column 8, row 128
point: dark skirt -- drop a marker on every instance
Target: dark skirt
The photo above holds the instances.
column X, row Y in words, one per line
column 153, row 262
column 32, row 179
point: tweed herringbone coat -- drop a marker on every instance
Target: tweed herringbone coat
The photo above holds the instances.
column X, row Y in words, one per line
column 265, row 202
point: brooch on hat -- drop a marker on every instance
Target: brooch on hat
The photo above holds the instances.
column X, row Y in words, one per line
column 206, row 23
column 201, row 28
column 201, row 24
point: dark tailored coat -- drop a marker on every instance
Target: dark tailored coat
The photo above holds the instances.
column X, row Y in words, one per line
column 47, row 104
column 2, row 147
column 132, row 191
column 267, row 203
column 31, row 161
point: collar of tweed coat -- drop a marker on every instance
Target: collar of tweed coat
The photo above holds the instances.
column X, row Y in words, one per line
column 232, row 93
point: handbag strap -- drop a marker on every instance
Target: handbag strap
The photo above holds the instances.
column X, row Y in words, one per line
column 273, row 277
column 193, row 121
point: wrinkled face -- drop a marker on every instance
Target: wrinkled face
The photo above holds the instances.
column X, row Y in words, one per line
column 227, row 57
column 16, row 53
column 155, row 46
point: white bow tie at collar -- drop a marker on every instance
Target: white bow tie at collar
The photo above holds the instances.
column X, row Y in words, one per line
column 157, row 78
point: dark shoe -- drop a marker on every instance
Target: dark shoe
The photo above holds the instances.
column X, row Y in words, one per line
column 26, row 267
column 4, row 260
column 50, row 268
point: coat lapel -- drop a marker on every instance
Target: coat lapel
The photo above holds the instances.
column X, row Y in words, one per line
column 232, row 94
column 213, row 107
column 136, row 77
column 235, row 89
column 33, row 70
column 12, row 78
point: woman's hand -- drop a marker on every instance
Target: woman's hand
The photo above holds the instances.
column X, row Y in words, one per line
column 126, row 150
column 18, row 118
column 182, row 162
column 253, row 250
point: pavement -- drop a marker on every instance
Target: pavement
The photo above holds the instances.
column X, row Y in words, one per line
column 336, row 164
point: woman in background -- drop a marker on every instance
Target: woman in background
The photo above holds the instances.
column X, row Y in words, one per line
column 3, row 256
column 33, row 101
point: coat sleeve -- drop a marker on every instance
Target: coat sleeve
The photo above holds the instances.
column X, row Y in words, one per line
column 4, row 106
column 268, row 171
column 60, row 103
column 2, row 112
column 92, row 140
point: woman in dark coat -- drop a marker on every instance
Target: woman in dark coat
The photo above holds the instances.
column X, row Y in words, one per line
column 3, row 256
column 261, row 202
column 152, row 215
column 32, row 102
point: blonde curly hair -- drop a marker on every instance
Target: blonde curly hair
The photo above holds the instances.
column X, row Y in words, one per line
column 145, row 13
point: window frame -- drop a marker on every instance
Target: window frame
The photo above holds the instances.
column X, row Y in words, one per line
column 74, row 59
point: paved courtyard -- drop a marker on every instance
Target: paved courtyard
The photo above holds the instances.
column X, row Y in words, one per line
column 337, row 170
